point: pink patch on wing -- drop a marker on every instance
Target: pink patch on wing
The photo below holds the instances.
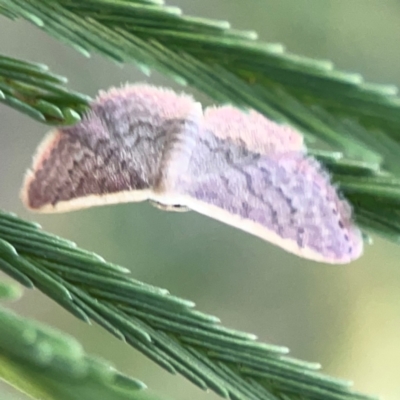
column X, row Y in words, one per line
column 257, row 132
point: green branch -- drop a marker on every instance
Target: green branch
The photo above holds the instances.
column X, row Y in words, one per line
column 231, row 66
column 163, row 327
column 33, row 90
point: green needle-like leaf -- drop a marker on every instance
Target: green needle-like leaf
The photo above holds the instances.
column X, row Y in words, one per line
column 165, row 328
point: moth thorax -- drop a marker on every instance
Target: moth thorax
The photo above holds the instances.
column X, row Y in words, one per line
column 176, row 155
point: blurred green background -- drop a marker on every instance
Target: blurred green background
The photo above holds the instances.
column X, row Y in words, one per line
column 346, row 317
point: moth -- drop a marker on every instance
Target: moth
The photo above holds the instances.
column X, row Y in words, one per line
column 141, row 142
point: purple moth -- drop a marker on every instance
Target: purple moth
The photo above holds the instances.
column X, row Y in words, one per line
column 141, row 142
